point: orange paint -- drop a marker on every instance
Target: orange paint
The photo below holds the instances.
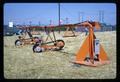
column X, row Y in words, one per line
column 87, row 48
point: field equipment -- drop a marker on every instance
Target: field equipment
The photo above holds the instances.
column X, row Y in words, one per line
column 92, row 48
column 43, row 46
column 69, row 32
column 25, row 41
column 39, row 44
column 58, row 45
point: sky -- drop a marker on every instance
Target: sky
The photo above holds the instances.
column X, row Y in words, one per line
column 23, row 13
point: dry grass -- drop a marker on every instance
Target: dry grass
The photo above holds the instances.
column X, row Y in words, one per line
column 22, row 63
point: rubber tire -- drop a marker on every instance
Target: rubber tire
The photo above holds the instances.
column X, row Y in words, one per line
column 34, row 47
column 18, row 43
column 61, row 46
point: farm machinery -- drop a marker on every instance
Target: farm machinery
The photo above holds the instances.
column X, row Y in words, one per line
column 91, row 53
column 26, row 41
column 39, row 44
column 43, row 46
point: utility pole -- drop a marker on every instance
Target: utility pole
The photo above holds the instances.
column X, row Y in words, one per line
column 39, row 23
column 80, row 16
column 101, row 16
column 66, row 20
column 23, row 24
column 59, row 15
column 50, row 22
column 30, row 22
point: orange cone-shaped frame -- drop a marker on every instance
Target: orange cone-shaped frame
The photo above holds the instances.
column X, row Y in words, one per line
column 87, row 48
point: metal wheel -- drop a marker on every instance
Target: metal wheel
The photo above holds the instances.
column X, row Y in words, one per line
column 60, row 44
column 37, row 48
column 18, row 43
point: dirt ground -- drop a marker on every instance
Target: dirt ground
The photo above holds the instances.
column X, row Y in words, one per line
column 22, row 63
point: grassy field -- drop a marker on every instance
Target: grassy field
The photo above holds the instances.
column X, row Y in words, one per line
column 22, row 63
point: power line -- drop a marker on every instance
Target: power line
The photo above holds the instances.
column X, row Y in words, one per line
column 67, row 11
